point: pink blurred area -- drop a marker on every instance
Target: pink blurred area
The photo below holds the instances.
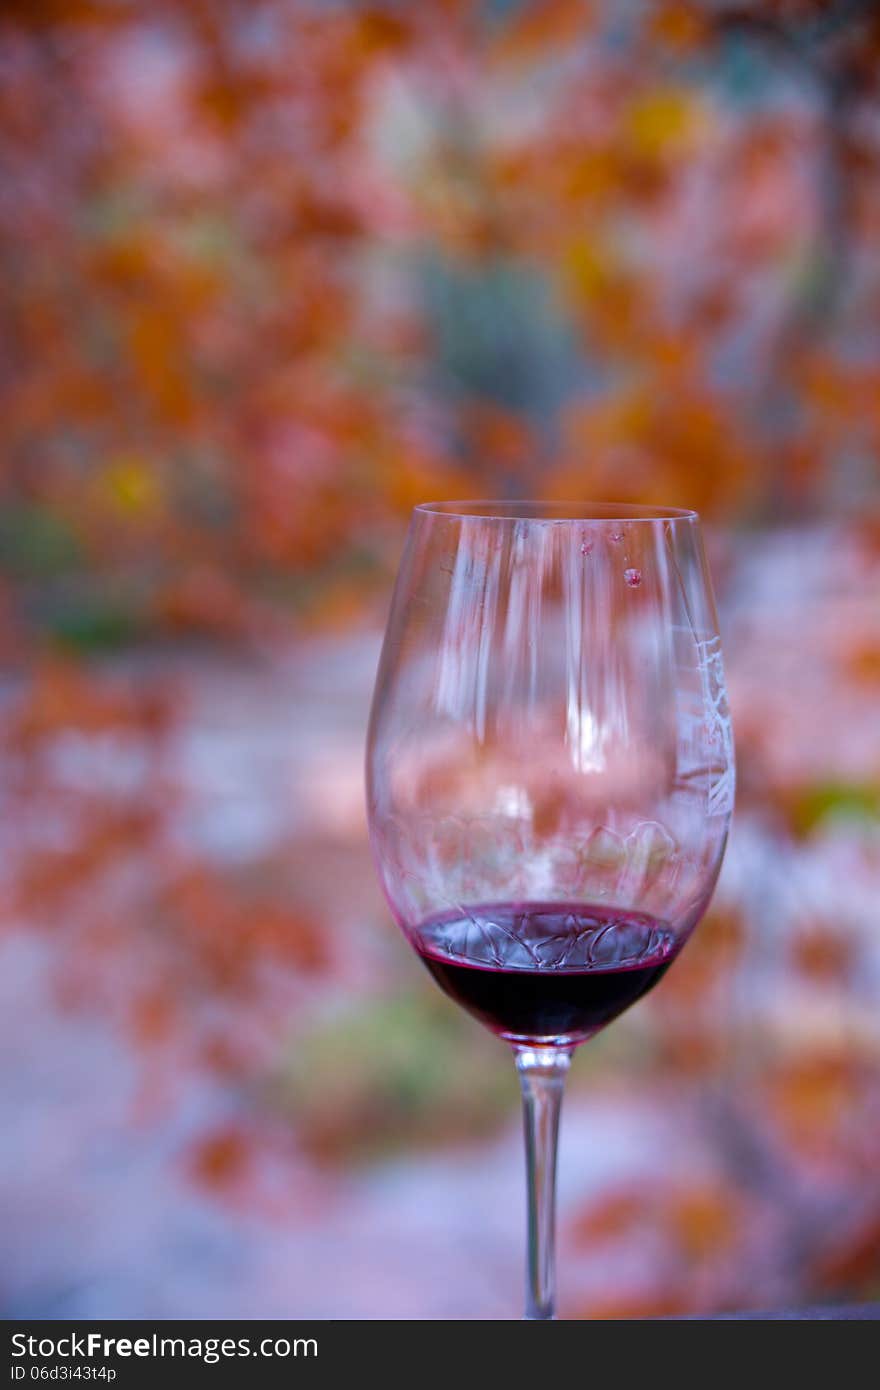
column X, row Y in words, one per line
column 720, row 1145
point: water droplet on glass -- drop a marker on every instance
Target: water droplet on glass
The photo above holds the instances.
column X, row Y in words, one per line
column 586, row 547
column 633, row 577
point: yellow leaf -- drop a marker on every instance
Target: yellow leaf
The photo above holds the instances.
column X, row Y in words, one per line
column 660, row 121
column 133, row 485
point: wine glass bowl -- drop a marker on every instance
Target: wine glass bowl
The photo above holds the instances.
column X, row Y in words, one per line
column 550, row 761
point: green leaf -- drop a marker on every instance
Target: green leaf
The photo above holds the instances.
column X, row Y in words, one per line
column 35, row 542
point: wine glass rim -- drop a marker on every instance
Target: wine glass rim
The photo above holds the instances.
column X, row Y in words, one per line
column 489, row 509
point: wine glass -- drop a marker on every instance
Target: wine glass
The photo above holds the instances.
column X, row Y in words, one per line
column 550, row 777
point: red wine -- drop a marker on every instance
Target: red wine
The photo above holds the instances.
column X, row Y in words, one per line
column 542, row 972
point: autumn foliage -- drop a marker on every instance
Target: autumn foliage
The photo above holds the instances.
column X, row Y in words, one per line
column 275, row 271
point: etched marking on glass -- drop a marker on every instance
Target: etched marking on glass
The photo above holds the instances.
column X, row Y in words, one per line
column 718, row 725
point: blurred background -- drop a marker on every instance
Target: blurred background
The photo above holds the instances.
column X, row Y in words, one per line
column 272, row 272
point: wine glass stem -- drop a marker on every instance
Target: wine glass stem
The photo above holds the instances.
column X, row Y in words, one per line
column 542, row 1073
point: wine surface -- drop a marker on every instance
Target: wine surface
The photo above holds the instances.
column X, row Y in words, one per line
column 545, row 972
